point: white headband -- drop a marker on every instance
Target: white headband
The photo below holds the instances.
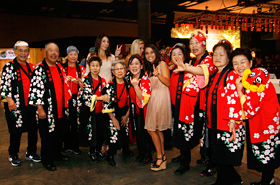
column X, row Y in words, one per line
column 20, row 43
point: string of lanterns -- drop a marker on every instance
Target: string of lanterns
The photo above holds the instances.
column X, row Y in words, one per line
column 245, row 22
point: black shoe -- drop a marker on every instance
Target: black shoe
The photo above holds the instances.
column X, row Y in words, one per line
column 176, row 159
column 66, row 150
column 35, row 158
column 50, row 167
column 259, row 183
column 128, row 153
column 93, row 158
column 139, row 157
column 238, row 183
column 110, row 160
column 100, row 155
column 14, row 160
column 62, row 158
column 77, row 152
column 202, row 161
column 145, row 161
column 208, row 172
column 181, row 170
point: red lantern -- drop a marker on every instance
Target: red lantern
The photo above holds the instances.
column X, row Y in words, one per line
column 212, row 26
column 232, row 21
column 226, row 24
column 270, row 25
column 221, row 22
column 237, row 23
column 252, row 24
column 265, row 25
column 216, row 25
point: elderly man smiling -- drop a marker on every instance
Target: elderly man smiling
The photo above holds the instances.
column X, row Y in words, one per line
column 15, row 83
column 50, row 92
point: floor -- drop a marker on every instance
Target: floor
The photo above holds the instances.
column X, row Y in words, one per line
column 79, row 170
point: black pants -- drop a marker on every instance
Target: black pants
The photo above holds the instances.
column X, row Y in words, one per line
column 185, row 157
column 100, row 134
column 227, row 174
column 51, row 142
column 71, row 140
column 29, row 125
column 143, row 139
column 123, row 142
column 123, row 139
column 267, row 176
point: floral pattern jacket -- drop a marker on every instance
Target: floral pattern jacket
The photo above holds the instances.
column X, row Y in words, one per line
column 11, row 86
column 42, row 91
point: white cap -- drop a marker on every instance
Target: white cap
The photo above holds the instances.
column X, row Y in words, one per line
column 20, row 43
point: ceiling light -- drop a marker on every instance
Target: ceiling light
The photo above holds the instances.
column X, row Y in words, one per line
column 182, row 4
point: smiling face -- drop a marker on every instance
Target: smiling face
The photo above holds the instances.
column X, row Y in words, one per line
column 104, row 43
column 150, row 54
column 240, row 63
column 177, row 53
column 196, row 48
column 94, row 67
column 52, row 53
column 22, row 53
column 72, row 56
column 135, row 67
column 220, row 58
column 119, row 71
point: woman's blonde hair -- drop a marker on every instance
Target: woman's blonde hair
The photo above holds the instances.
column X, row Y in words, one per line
column 135, row 46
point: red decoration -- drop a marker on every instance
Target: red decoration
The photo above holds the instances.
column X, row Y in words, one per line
column 221, row 22
column 246, row 24
column 270, row 25
column 237, row 23
column 226, row 24
column 265, row 25
column 216, row 24
column 232, row 21
column 252, row 24
column 212, row 26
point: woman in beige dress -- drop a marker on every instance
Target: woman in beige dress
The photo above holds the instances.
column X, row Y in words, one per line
column 158, row 117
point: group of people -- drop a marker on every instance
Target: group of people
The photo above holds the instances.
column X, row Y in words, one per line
column 214, row 101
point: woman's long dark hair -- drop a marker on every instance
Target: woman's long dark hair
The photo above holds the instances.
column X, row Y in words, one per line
column 98, row 44
column 148, row 65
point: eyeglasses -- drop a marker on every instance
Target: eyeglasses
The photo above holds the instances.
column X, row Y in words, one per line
column 119, row 69
column 23, row 51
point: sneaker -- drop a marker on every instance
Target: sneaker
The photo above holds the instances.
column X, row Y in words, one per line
column 208, row 172
column 66, row 150
column 14, row 160
column 93, row 158
column 35, row 158
column 100, row 155
column 77, row 152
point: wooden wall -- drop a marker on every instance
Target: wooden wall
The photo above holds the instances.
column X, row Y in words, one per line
column 39, row 28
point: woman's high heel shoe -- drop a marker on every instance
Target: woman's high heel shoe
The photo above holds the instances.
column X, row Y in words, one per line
column 162, row 165
column 156, row 167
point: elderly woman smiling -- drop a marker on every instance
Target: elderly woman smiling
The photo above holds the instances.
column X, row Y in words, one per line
column 259, row 108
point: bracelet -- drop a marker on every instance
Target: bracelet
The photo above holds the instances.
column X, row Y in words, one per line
column 231, row 122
